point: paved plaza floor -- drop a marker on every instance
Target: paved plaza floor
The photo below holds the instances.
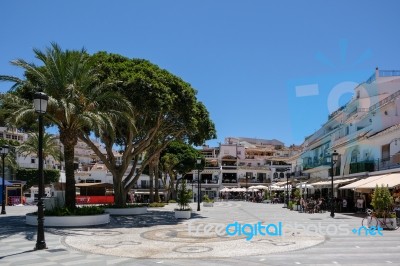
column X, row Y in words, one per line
column 279, row 237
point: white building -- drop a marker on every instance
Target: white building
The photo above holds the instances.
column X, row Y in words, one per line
column 365, row 133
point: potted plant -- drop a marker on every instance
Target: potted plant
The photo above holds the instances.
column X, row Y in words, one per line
column 207, row 202
column 183, row 198
column 267, row 198
column 382, row 201
column 290, row 205
column 296, row 204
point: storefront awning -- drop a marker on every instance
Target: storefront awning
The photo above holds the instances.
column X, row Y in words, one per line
column 390, row 180
column 328, row 184
column 361, row 182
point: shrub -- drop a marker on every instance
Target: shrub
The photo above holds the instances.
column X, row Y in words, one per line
column 172, row 201
column 157, row 204
column 184, row 196
column 382, row 201
column 80, row 211
column 207, row 199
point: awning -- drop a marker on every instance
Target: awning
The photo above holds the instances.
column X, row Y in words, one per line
column 328, row 184
column 390, row 181
column 281, row 183
column 106, row 185
column 6, row 183
column 364, row 181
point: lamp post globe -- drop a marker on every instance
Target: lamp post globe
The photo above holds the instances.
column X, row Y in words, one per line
column 40, row 105
column 4, row 151
column 334, row 158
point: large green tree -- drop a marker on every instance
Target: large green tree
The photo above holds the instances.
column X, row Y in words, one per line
column 165, row 108
column 77, row 101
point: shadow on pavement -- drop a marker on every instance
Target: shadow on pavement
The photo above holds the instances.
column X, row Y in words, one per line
column 12, row 225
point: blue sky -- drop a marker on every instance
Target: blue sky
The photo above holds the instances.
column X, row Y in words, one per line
column 264, row 69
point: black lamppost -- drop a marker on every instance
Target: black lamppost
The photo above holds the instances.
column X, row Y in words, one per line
column 334, row 158
column 287, row 189
column 198, row 162
column 40, row 103
column 247, row 177
column 4, row 151
column 192, row 190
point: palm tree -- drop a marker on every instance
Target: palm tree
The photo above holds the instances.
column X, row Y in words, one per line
column 76, row 102
column 50, row 146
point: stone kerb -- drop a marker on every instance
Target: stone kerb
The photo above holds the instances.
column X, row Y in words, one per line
column 126, row 211
column 70, row 221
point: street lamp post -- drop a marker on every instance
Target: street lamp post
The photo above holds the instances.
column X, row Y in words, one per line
column 40, row 104
column 287, row 189
column 192, row 190
column 198, row 162
column 334, row 158
column 247, row 177
column 4, row 151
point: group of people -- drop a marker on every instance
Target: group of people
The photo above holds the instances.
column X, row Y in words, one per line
column 312, row 205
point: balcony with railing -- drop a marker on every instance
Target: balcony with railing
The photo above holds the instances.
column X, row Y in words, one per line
column 315, row 162
column 364, row 166
column 389, row 73
column 391, row 162
column 300, row 175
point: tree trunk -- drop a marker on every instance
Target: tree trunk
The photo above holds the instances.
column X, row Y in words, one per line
column 70, row 191
column 119, row 192
column 156, row 184
column 151, row 186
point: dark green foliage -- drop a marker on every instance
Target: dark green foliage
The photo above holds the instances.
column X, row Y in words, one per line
column 80, row 211
column 157, row 204
column 180, row 157
column 184, row 196
column 31, row 176
column 382, row 201
column 207, row 199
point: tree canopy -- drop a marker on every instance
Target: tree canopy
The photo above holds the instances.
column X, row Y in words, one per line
column 165, row 108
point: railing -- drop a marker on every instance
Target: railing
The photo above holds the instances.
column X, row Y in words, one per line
column 384, row 101
column 317, row 162
column 387, row 163
column 375, row 165
column 226, row 180
column 229, row 167
column 203, row 181
column 300, row 174
column 389, row 73
column 336, row 112
column 358, row 167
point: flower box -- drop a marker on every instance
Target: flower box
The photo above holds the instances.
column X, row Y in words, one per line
column 183, row 214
